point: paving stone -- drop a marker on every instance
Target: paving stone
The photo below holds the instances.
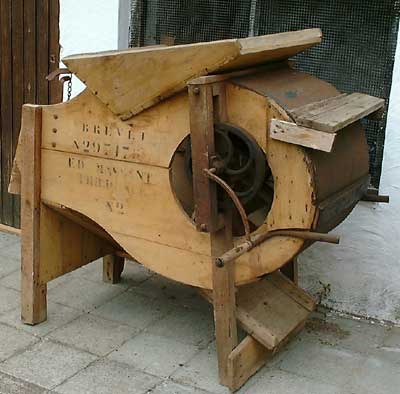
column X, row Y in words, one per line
column 93, row 334
column 7, row 239
column 12, row 279
column 156, row 355
column 13, row 340
column 376, row 375
column 108, row 377
column 355, row 335
column 11, row 250
column 9, row 299
column 392, row 338
column 168, row 387
column 133, row 275
column 57, row 315
column 276, row 381
column 159, row 287
column 201, row 372
column 83, row 294
column 189, row 326
column 47, row 364
column 134, row 309
column 313, row 360
column 11, row 385
column 8, row 265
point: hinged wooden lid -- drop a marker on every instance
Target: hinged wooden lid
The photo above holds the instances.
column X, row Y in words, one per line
column 132, row 80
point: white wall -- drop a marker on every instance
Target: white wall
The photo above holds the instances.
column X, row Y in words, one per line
column 364, row 270
column 87, row 26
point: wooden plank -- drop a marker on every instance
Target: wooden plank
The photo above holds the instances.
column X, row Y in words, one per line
column 42, row 47
column 268, row 313
column 294, row 134
column 245, row 360
column 224, row 301
column 334, row 115
column 291, row 290
column 55, row 86
column 113, row 265
column 202, row 144
column 33, row 294
column 18, row 86
column 7, row 205
column 106, row 74
column 10, row 230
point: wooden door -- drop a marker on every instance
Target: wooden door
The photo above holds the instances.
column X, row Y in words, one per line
column 29, row 51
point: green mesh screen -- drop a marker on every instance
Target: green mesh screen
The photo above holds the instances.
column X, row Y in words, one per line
column 357, row 53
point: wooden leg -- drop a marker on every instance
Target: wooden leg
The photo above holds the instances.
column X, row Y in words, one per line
column 112, row 268
column 290, row 270
column 33, row 292
column 224, row 301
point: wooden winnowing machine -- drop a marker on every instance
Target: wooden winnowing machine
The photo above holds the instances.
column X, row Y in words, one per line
column 213, row 164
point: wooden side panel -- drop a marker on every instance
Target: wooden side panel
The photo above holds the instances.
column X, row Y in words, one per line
column 29, row 50
column 65, row 245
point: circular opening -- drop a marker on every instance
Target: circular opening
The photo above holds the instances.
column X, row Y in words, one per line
column 243, row 166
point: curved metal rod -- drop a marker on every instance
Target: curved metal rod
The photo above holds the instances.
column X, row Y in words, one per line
column 258, row 239
column 210, row 173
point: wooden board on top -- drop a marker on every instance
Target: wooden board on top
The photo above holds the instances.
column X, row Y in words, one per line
column 334, row 114
column 132, row 80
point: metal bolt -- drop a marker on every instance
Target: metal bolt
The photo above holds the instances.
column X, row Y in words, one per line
column 53, row 144
column 203, row 227
column 196, row 90
column 54, row 130
column 219, row 263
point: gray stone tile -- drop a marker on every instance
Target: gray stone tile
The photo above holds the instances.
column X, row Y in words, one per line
column 108, row 377
column 392, row 338
column 201, row 372
column 189, row 326
column 12, row 279
column 93, row 334
column 7, row 239
column 355, row 335
column 11, row 250
column 376, row 375
column 8, row 265
column 9, row 299
column 13, row 340
column 11, row 385
column 83, row 294
column 47, row 364
column 159, row 287
column 275, row 381
column 57, row 315
column 156, row 355
column 133, row 275
column 320, row 362
column 134, row 309
column 168, row 387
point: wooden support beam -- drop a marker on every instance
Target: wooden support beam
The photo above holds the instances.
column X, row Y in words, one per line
column 33, row 293
column 113, row 266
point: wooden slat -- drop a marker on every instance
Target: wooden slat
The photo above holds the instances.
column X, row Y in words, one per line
column 303, row 136
column 335, row 114
column 42, row 23
column 268, row 312
column 7, row 205
column 55, row 86
column 245, row 360
column 18, row 86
